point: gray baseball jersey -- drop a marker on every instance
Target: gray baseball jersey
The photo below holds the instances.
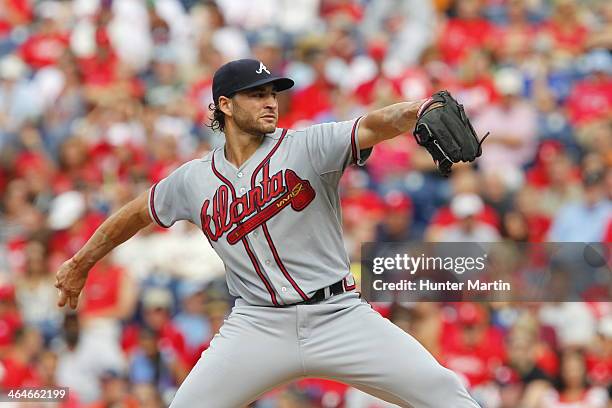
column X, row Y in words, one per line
column 275, row 221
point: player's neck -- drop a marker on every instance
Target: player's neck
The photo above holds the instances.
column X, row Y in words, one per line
column 240, row 146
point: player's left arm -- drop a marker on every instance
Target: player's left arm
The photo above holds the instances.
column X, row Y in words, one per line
column 387, row 123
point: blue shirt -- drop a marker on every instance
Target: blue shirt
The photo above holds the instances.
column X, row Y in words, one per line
column 577, row 222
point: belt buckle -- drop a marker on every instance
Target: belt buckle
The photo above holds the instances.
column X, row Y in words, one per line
column 327, row 292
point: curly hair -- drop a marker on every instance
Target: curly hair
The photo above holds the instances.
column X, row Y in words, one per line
column 217, row 121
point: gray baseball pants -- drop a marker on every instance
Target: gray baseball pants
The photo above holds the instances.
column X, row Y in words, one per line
column 341, row 338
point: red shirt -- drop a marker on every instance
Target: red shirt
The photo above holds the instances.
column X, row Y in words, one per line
column 599, row 369
column 392, row 158
column 102, row 288
column 366, row 92
column 168, row 336
column 589, row 101
column 571, row 39
column 477, row 362
column 41, row 50
column 29, row 162
column 9, row 323
column 99, row 71
column 68, row 242
column 363, row 204
column 460, row 36
column 16, row 374
column 21, row 11
column 3, row 181
column 310, row 102
column 515, row 39
column 476, row 94
column 200, row 95
column 538, row 227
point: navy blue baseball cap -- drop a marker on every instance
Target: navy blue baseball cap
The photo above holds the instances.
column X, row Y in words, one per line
column 243, row 74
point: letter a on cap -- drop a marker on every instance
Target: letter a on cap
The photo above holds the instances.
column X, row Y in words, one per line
column 262, row 68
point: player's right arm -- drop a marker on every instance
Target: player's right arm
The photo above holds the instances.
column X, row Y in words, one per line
column 118, row 228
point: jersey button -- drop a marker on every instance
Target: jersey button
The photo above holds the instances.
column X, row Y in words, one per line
column 240, row 174
column 256, row 234
column 268, row 262
column 284, row 288
column 243, row 190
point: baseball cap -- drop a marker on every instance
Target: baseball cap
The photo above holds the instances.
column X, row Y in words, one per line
column 397, row 201
column 471, row 314
column 466, row 205
column 243, row 74
column 66, row 209
column 157, row 298
column 508, row 81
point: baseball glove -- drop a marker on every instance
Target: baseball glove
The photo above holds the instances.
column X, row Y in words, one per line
column 445, row 131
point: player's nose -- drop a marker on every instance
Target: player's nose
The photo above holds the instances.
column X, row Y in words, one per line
column 270, row 99
column 271, row 102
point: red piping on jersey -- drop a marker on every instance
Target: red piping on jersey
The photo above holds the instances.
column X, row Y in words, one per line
column 277, row 258
column 152, row 206
column 267, row 158
column 244, row 242
column 354, row 142
column 280, row 264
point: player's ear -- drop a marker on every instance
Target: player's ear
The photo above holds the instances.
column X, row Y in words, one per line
column 225, row 104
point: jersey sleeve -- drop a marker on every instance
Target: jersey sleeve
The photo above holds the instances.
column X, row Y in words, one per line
column 168, row 201
column 334, row 146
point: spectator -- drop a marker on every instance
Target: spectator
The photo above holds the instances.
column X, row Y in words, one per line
column 409, row 25
column 111, row 298
column 10, row 318
column 47, row 375
column 514, row 40
column 464, row 208
column 467, row 31
column 156, row 305
column 18, row 102
column 594, row 211
column 396, row 224
column 590, row 98
column 115, row 392
column 572, row 388
column 512, row 124
column 471, row 347
column 147, row 396
column 83, row 359
column 565, row 31
column 18, row 365
column 157, row 364
column 36, row 295
column 191, row 321
column 49, row 41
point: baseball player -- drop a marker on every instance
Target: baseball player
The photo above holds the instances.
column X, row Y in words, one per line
column 268, row 203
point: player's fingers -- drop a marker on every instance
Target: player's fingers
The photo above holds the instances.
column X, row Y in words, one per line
column 74, row 301
column 62, row 298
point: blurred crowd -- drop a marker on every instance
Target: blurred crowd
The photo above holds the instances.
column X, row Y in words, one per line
column 101, row 98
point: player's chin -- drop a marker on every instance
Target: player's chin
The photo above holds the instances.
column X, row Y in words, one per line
column 267, row 125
